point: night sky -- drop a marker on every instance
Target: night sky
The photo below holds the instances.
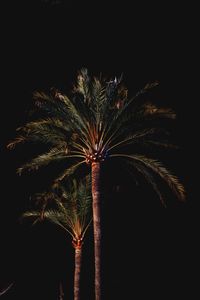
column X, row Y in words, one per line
column 146, row 248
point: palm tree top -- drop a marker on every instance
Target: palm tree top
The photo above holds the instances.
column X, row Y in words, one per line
column 71, row 209
column 96, row 122
column 96, row 108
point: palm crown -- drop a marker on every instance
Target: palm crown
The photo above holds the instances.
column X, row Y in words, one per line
column 71, row 209
column 98, row 121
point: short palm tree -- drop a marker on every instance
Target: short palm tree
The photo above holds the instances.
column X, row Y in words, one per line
column 72, row 214
column 96, row 123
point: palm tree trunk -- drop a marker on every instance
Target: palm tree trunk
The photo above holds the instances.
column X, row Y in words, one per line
column 97, row 226
column 78, row 255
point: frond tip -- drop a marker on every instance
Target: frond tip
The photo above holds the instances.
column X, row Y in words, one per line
column 17, row 140
column 157, row 167
column 166, row 175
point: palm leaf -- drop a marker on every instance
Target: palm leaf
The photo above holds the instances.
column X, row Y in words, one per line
column 159, row 169
column 148, row 176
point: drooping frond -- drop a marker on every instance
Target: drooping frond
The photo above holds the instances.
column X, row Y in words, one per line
column 151, row 111
column 135, row 138
column 47, row 131
column 144, row 171
column 50, row 130
column 70, row 171
column 33, row 215
column 51, row 215
column 159, row 169
column 43, row 160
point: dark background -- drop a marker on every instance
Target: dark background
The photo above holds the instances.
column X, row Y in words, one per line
column 147, row 249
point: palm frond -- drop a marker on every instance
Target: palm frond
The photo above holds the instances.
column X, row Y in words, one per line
column 152, row 111
column 53, row 155
column 49, row 130
column 83, row 85
column 135, row 138
column 148, row 176
column 159, row 169
column 161, row 144
column 70, row 171
column 53, row 216
column 33, row 215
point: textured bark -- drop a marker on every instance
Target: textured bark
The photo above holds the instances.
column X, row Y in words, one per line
column 97, row 226
column 77, row 271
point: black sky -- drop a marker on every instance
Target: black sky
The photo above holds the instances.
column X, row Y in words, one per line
column 146, row 248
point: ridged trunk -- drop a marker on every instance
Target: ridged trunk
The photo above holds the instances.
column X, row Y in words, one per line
column 97, row 226
column 77, row 273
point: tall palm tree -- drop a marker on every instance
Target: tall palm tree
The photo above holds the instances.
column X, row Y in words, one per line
column 97, row 122
column 72, row 214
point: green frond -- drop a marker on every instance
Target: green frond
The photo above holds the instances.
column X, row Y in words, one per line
column 83, row 84
column 70, row 171
column 43, row 160
column 46, row 131
column 148, row 176
column 55, row 217
column 76, row 115
column 34, row 216
column 77, row 195
column 75, row 203
column 159, row 169
column 122, row 117
column 52, row 216
column 135, row 138
column 48, row 126
column 59, row 106
column 151, row 85
column 73, row 207
column 49, row 104
column 30, row 214
column 165, row 174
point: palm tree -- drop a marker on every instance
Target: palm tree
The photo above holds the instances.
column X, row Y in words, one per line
column 72, row 214
column 96, row 123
